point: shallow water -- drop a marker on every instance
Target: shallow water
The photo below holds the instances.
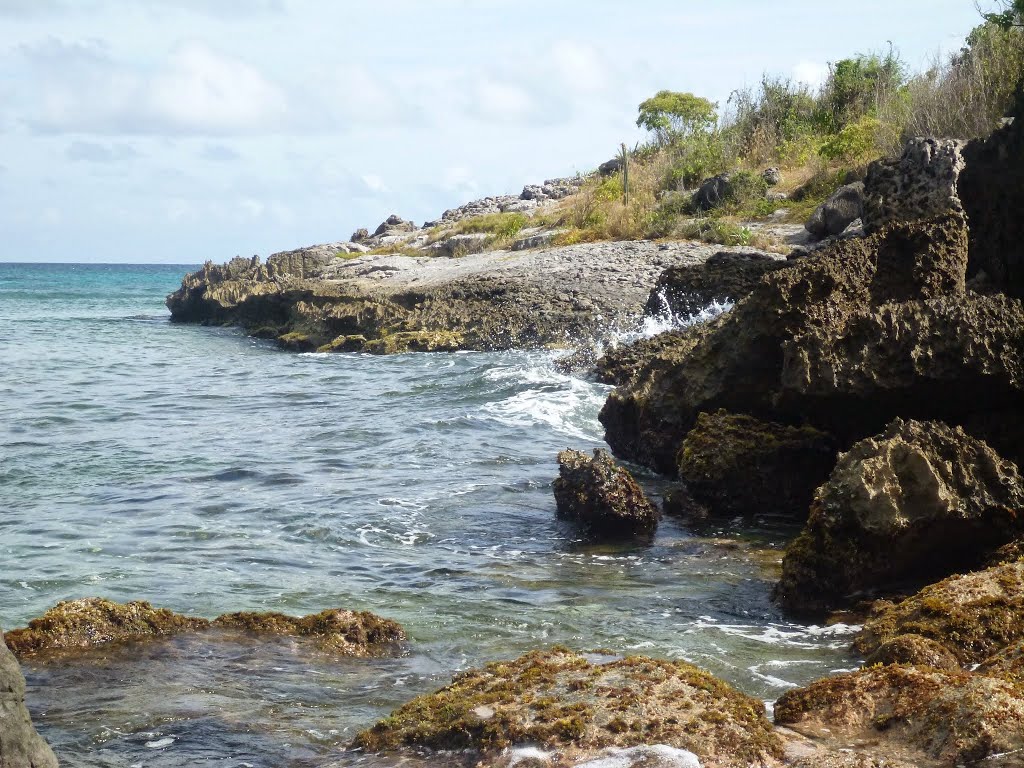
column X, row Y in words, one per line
column 208, row 472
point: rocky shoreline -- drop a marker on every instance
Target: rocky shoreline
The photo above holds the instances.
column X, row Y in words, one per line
column 872, row 390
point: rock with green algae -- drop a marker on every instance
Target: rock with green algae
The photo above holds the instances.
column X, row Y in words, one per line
column 923, row 716
column 972, row 616
column 20, row 745
column 601, row 496
column 414, row 341
column 918, row 502
column 91, row 622
column 739, row 465
column 915, row 650
column 578, row 704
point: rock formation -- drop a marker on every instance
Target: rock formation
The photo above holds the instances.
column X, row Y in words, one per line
column 20, row 745
column 842, row 208
column 601, row 496
column 91, row 622
column 581, row 703
column 921, row 500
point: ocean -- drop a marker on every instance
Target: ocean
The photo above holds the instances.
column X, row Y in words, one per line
column 208, row 472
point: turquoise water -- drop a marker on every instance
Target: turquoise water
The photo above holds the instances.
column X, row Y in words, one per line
column 208, row 472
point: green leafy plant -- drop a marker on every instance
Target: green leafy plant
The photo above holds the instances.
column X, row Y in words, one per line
column 672, row 115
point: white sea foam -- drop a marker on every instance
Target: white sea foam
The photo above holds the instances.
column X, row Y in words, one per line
column 776, row 634
column 654, row 756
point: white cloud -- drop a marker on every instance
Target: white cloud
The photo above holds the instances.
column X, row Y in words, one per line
column 93, row 152
column 811, row 73
column 501, row 101
column 580, row 67
column 373, row 182
column 80, row 88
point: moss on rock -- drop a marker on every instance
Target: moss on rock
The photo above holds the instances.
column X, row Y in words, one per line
column 415, row 341
column 973, row 616
column 915, row 650
column 601, row 496
column 930, row 716
column 737, row 464
column 558, row 699
column 94, row 621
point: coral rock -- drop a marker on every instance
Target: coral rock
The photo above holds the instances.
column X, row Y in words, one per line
column 601, row 496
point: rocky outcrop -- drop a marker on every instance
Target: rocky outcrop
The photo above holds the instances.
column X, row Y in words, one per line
column 91, row 622
column 920, row 185
column 579, row 704
column 686, row 290
column 834, row 215
column 20, row 745
column 992, row 190
column 971, row 616
column 769, row 357
column 601, row 496
column 922, row 500
column 480, row 301
column 928, row 717
column 915, row 650
column 738, row 465
column 713, row 192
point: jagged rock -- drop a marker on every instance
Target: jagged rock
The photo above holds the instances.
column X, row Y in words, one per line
column 757, row 358
column 686, row 290
column 460, row 245
column 772, row 177
column 972, row 616
column 579, row 704
column 90, row 622
column 601, row 496
column 841, row 209
column 927, row 716
column 920, row 185
column 359, row 235
column 610, row 167
column 992, row 190
column 738, row 465
column 921, row 500
column 392, row 224
column 713, row 192
column 20, row 745
column 621, row 365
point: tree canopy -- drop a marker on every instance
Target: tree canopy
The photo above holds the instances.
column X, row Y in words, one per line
column 1013, row 16
column 670, row 115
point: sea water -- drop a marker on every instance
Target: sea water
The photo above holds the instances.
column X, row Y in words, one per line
column 208, row 472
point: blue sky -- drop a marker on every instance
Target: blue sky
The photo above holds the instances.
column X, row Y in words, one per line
column 180, row 130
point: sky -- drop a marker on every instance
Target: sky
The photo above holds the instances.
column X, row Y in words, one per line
column 176, row 131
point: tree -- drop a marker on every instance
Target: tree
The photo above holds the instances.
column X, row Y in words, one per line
column 1013, row 16
column 671, row 115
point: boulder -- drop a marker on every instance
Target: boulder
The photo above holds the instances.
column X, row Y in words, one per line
column 610, row 167
column 360, row 234
column 91, row 622
column 915, row 650
column 972, row 616
column 20, row 745
column 755, row 359
column 926, row 716
column 921, row 500
column 601, row 496
column 991, row 187
column 713, row 192
column 772, row 176
column 686, row 290
column 920, row 185
column 460, row 245
column 739, row 465
column 579, row 704
column 841, row 209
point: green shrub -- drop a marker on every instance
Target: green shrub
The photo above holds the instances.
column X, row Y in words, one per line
column 715, row 231
column 694, row 159
column 855, row 142
column 671, row 115
column 501, row 225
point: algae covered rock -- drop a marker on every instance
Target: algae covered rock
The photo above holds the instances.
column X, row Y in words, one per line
column 601, row 496
column 20, row 745
column 737, row 464
column 91, row 622
column 973, row 616
column 564, row 700
column 925, row 716
column 921, row 500
column 915, row 650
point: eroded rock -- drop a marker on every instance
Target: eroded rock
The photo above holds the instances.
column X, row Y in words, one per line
column 602, row 496
column 92, row 622
column 560, row 699
column 20, row 745
column 921, row 500
column 739, row 465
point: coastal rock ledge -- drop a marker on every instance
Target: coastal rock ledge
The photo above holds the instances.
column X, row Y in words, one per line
column 20, row 745
column 327, row 299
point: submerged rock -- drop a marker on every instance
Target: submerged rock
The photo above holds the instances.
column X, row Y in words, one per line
column 602, row 496
column 20, row 745
column 925, row 716
column 921, row 500
column 738, row 465
column 563, row 700
column 92, row 622
column 972, row 616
